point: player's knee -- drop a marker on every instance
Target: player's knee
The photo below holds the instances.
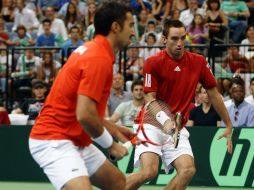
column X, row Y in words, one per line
column 188, row 172
column 149, row 173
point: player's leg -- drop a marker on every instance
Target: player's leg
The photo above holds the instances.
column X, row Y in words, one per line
column 108, row 177
column 148, row 170
column 78, row 183
column 181, row 159
column 185, row 168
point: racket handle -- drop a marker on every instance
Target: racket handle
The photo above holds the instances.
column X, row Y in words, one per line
column 127, row 145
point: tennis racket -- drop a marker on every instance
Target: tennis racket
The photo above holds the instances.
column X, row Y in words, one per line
column 149, row 126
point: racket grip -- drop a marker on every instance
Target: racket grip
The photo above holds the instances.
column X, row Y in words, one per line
column 127, row 145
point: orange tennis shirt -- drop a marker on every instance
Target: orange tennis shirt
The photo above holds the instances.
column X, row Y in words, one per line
column 88, row 72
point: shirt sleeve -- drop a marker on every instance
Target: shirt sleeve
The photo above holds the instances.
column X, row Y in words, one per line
column 150, row 76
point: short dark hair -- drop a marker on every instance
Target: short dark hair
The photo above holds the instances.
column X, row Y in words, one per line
column 74, row 27
column 238, row 81
column 108, row 12
column 136, row 83
column 46, row 20
column 170, row 24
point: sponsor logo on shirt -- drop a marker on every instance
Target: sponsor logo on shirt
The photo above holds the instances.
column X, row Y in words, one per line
column 148, row 80
column 177, row 69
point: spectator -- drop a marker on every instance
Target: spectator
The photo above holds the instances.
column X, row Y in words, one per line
column 237, row 13
column 57, row 25
column 82, row 8
column 142, row 21
column 234, row 61
column 150, row 27
column 89, row 18
column 250, row 98
column 138, row 5
column 187, row 16
column 4, row 60
column 20, row 38
column 197, row 31
column 24, row 16
column 161, row 9
column 241, row 112
column 48, row 38
column 72, row 16
column 248, row 51
column 126, row 111
column 217, row 24
column 4, row 36
column 7, row 11
column 180, row 5
column 175, row 14
column 204, row 114
column 32, row 106
column 49, row 68
column 73, row 42
column 151, row 39
column 43, row 4
column 117, row 94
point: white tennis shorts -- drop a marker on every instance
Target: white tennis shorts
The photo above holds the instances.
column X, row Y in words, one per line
column 167, row 153
column 62, row 161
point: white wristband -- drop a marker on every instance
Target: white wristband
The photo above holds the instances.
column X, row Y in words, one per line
column 105, row 140
column 162, row 117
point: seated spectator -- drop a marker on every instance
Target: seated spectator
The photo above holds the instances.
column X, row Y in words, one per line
column 248, row 51
column 187, row 16
column 241, row 113
column 72, row 16
column 117, row 94
column 217, row 24
column 7, row 11
column 197, row 31
column 204, row 114
column 4, row 36
column 180, row 5
column 126, row 111
column 32, row 106
column 175, row 14
column 73, row 42
column 161, row 9
column 142, row 21
column 234, row 61
column 138, row 5
column 237, row 13
column 57, row 25
column 48, row 38
column 4, row 59
column 82, row 8
column 49, row 68
column 151, row 39
column 250, row 98
column 24, row 16
column 43, row 4
column 150, row 27
column 89, row 17
column 20, row 38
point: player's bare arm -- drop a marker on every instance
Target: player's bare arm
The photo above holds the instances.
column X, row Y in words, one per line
column 88, row 116
column 219, row 106
column 121, row 133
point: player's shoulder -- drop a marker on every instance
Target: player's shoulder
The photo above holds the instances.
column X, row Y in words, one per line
column 157, row 57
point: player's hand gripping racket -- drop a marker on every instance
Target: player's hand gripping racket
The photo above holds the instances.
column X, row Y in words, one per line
column 149, row 126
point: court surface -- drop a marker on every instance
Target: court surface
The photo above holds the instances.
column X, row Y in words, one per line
column 47, row 186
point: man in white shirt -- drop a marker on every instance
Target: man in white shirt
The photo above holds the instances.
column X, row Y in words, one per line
column 126, row 111
column 187, row 16
column 57, row 25
column 24, row 16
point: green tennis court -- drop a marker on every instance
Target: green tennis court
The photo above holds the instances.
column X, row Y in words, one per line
column 48, row 186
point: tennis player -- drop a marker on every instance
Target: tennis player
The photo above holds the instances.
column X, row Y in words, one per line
column 71, row 119
column 172, row 76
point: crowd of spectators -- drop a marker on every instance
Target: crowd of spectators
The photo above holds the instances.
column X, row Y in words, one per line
column 52, row 30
